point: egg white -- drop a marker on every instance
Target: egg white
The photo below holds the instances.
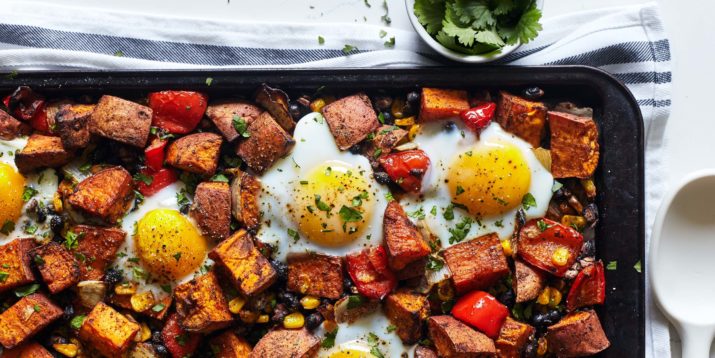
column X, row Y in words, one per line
column 314, row 146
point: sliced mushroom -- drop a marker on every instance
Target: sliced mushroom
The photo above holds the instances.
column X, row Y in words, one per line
column 91, row 292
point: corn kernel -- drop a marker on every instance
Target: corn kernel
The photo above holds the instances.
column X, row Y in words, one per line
column 142, row 301
column 574, row 221
column 128, row 288
column 405, row 122
column 57, row 203
column 262, row 318
column 555, row 298
column 542, row 347
column 398, row 106
column 317, row 105
column 590, row 187
column 445, row 291
column 294, row 320
column 310, row 302
column 544, row 296
column 560, row 257
column 236, row 304
column 413, row 131
column 67, row 350
column 506, row 247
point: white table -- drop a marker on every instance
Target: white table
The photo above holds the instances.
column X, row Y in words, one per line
column 690, row 130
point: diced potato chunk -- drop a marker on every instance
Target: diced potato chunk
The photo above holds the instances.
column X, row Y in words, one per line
column 96, row 249
column 574, row 145
column 211, row 209
column 282, row 343
column 403, row 241
column 578, row 334
column 267, row 142
column 196, row 153
column 525, row 119
column 121, row 120
column 106, row 195
column 41, row 152
column 528, row 281
column 72, row 122
column 453, row 338
column 437, row 103
column 25, row 318
column 513, row 337
column 351, row 119
column 27, row 350
column 223, row 113
column 407, row 311
column 317, row 275
column 229, row 345
column 476, row 264
column 15, row 259
column 57, row 266
column 248, row 268
column 108, row 331
column 201, row 305
column 245, row 189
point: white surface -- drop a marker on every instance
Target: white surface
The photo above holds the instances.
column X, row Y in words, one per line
column 688, row 133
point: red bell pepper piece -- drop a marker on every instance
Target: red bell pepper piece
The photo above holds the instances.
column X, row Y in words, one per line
column 368, row 269
column 177, row 111
column 179, row 342
column 481, row 311
column 588, row 289
column 39, row 119
column 149, row 182
column 478, row 117
column 154, row 154
column 406, row 168
column 24, row 103
column 539, row 241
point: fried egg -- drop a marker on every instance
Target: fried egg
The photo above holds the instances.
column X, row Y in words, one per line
column 18, row 191
column 476, row 185
column 319, row 199
column 368, row 337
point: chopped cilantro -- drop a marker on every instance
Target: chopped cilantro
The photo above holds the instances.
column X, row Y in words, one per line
column 28, row 193
column 348, row 214
column 499, row 223
column 322, row 206
column 293, row 235
column 27, row 290
column 30, row 229
column 389, row 196
column 418, row 214
column 146, row 179
column 36, row 308
column 321, row 40
column 349, row 48
column 303, row 182
column 637, row 266
column 329, row 340
column 166, row 288
column 220, row 177
column 39, row 261
column 459, row 232
column 433, row 211
column 390, row 43
column 209, row 81
column 177, row 256
column 612, row 266
column 528, row 201
column 367, row 4
column 158, row 307
column 3, row 276
column 377, row 153
column 542, row 225
column 449, row 212
column 139, row 273
column 381, row 118
column 459, row 190
column 391, row 328
column 241, row 126
column 383, row 33
column 77, row 321
column 556, row 186
column 434, row 263
column 71, row 240
column 355, row 301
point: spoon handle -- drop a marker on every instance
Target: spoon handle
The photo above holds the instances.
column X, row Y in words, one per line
column 696, row 340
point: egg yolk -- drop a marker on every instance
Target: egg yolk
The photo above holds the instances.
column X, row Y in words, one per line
column 332, row 204
column 352, row 350
column 169, row 244
column 490, row 179
column 12, row 185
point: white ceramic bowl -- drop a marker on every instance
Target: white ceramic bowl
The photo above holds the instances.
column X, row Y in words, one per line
column 454, row 55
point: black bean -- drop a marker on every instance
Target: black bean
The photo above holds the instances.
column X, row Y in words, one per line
column 68, row 312
column 161, row 349
column 539, row 319
column 533, row 93
column 314, row 320
column 356, row 149
column 113, row 276
column 42, row 213
column 382, row 103
column 590, row 212
column 279, row 312
column 409, row 109
column 449, row 126
column 554, row 316
column 387, row 118
column 156, row 337
column 562, row 193
column 294, row 109
column 56, row 224
column 588, row 249
column 281, row 269
column 290, row 300
column 413, row 97
column 381, row 177
column 507, row 298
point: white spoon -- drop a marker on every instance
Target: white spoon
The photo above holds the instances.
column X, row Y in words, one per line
column 682, row 261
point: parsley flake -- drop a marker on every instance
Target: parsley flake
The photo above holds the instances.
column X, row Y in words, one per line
column 241, row 126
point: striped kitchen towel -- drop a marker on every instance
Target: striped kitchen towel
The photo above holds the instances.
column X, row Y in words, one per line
column 628, row 42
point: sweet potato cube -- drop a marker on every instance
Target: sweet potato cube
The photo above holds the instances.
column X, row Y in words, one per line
column 437, row 103
column 453, row 338
column 222, row 114
column 25, row 318
column 403, row 241
column 316, row 274
column 578, row 334
column 212, row 209
column 106, row 195
column 72, row 125
column 41, row 152
column 121, row 120
column 281, row 343
column 351, row 119
column 201, row 305
column 57, row 266
column 476, row 264
column 96, row 249
column 528, row 282
column 27, row 350
column 574, row 145
column 108, row 331
column 196, row 153
column 245, row 265
column 245, row 189
column 523, row 118
column 11, row 128
column 267, row 142
column 229, row 345
column 15, row 259
column 513, row 336
column 413, row 270
column 407, row 311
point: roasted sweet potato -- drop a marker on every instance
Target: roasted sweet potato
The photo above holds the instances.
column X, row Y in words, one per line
column 351, row 119
column 201, row 305
column 250, row 271
column 403, row 241
column 41, row 152
column 523, row 118
column 27, row 350
column 72, row 125
column 108, row 331
column 578, row 334
column 96, row 249
column 222, row 114
column 346, row 310
column 528, row 282
column 106, row 195
column 196, row 153
column 413, row 270
column 121, row 120
column 574, row 145
column 316, row 274
column 476, row 264
column 287, row 343
column 407, row 311
column 26, row 318
column 11, row 128
column 267, row 142
column 245, row 189
column 513, row 337
column 212, row 209
column 15, row 259
column 437, row 103
column 275, row 101
column 229, row 345
column 455, row 339
column 57, row 266
column 425, row 352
